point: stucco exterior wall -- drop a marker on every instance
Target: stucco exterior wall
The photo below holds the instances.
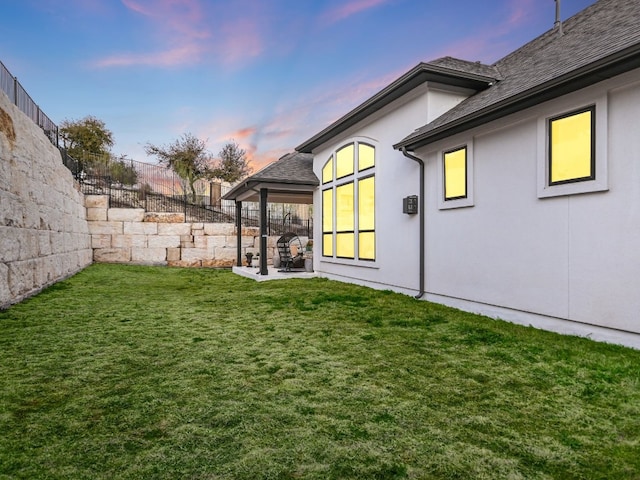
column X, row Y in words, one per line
column 568, row 257
column 397, row 249
column 43, row 230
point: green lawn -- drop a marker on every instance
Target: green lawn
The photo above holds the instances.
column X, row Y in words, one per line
column 146, row 373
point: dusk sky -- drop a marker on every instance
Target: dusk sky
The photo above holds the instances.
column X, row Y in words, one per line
column 268, row 74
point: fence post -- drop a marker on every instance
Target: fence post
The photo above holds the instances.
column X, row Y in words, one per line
column 15, row 91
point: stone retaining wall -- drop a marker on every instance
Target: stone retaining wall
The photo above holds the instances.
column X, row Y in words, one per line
column 44, row 235
column 130, row 235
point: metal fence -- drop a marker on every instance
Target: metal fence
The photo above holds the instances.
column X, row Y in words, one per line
column 19, row 96
column 133, row 184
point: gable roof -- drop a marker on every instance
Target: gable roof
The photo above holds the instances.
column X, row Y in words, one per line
column 447, row 70
column 599, row 42
column 287, row 179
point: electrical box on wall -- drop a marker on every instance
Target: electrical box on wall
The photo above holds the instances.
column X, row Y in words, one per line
column 410, row 204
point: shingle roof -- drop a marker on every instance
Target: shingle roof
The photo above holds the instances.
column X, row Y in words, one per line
column 292, row 169
column 601, row 41
column 465, row 66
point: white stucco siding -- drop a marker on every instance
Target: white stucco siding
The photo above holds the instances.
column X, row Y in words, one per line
column 509, row 248
column 574, row 257
column 397, row 234
column 605, row 228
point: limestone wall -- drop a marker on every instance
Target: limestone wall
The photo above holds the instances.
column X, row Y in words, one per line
column 129, row 235
column 44, row 235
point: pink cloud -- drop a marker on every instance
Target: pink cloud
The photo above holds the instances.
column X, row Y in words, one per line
column 241, row 134
column 178, row 23
column 187, row 29
column 487, row 44
column 260, row 160
column 520, row 12
column 182, row 16
column 186, row 54
column 241, row 40
column 350, row 8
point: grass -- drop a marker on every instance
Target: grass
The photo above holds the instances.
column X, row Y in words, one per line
column 141, row 372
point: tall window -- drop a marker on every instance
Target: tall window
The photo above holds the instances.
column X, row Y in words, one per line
column 348, row 203
column 455, row 174
column 572, row 147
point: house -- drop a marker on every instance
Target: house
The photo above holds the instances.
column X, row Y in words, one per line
column 510, row 189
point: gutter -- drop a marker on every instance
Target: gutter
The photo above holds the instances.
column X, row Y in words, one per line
column 422, row 220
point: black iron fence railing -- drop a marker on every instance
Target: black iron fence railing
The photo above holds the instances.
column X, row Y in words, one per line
column 133, row 184
column 19, row 96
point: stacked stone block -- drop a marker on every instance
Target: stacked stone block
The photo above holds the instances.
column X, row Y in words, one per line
column 44, row 235
column 129, row 235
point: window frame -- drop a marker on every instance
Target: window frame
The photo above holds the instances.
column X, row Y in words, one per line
column 329, row 163
column 556, row 109
column 354, row 178
column 330, row 232
column 592, row 160
column 444, row 173
column 468, row 199
column 358, row 181
column 339, row 232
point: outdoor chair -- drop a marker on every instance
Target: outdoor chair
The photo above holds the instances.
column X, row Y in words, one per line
column 290, row 251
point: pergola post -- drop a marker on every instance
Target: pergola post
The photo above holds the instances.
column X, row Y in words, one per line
column 263, row 232
column 239, row 233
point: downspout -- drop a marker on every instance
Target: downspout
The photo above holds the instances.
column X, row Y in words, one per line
column 422, row 218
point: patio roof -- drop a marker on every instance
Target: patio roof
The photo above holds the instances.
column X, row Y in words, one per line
column 290, row 179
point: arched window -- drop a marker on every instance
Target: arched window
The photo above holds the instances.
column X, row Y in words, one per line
column 348, row 203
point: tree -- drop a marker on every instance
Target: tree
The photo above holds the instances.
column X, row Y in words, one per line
column 232, row 165
column 187, row 156
column 87, row 137
column 123, row 172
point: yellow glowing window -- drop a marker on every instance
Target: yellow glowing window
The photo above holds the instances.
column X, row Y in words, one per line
column 327, row 222
column 327, row 210
column 327, row 171
column 366, row 219
column 366, row 204
column 344, row 208
column 348, row 207
column 345, row 245
column 367, row 245
column 572, row 147
column 455, row 174
column 327, row 244
column 366, row 156
column 344, row 161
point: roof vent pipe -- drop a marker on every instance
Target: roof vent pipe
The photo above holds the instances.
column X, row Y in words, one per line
column 558, row 23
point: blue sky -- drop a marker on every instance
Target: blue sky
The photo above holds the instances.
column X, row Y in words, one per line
column 268, row 74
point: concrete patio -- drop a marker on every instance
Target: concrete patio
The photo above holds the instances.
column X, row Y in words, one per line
column 273, row 273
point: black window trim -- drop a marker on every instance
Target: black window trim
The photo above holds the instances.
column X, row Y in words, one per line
column 466, row 173
column 592, row 109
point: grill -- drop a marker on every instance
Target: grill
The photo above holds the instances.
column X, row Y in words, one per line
column 290, row 252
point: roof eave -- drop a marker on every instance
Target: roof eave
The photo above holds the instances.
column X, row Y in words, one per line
column 249, row 185
column 608, row 67
column 422, row 73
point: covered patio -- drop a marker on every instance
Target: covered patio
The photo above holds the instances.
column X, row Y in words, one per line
column 290, row 179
